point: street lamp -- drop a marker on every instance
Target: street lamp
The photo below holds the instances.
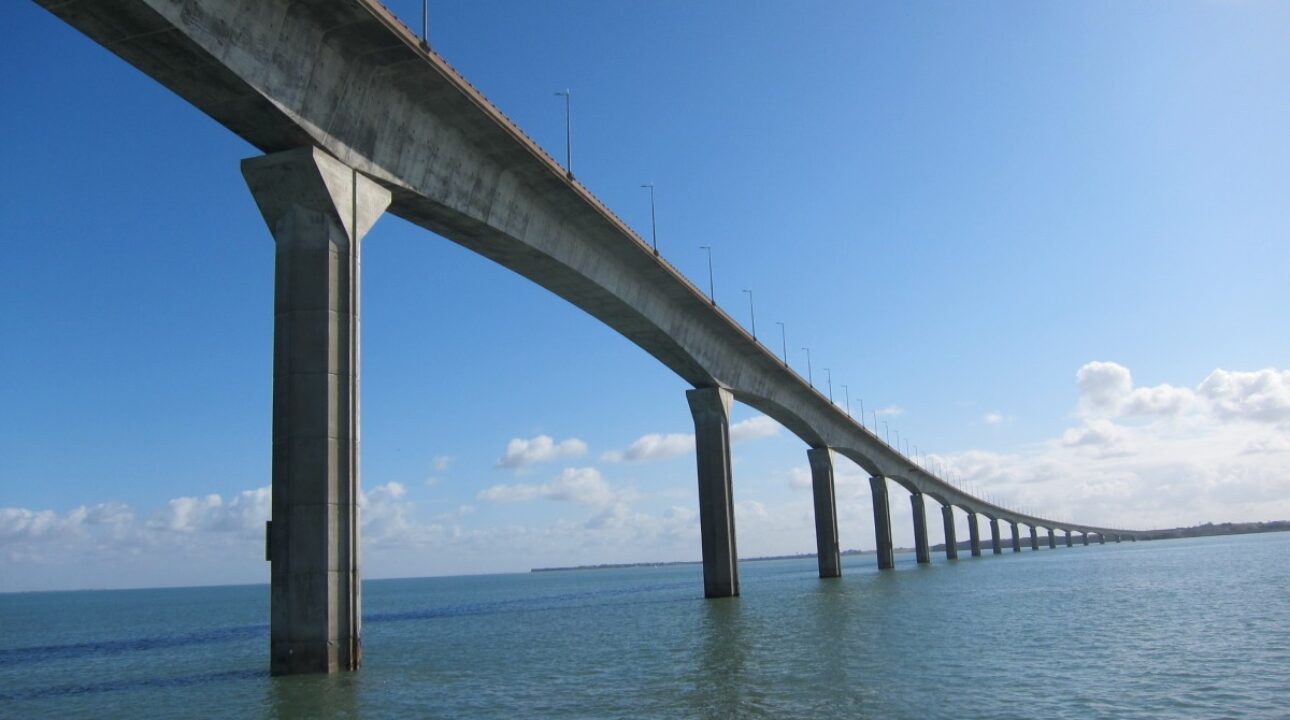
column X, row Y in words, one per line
column 712, row 293
column 875, row 425
column 752, row 313
column 809, row 379
column 568, row 131
column 653, row 222
column 425, row 23
column 897, row 441
column 783, row 338
column 885, row 426
column 830, row 374
column 847, row 394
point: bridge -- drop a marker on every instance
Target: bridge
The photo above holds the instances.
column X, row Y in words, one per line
column 358, row 117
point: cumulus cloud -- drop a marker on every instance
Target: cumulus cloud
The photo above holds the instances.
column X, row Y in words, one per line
column 1103, row 386
column 521, row 452
column 658, row 446
column 993, row 418
column 585, row 486
column 1262, row 396
column 1094, row 433
column 891, row 410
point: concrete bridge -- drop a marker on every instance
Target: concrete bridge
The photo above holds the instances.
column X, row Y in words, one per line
column 357, row 117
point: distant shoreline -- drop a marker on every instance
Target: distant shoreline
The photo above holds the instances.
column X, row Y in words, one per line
column 1205, row 530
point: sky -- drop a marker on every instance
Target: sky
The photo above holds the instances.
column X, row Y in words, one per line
column 1046, row 242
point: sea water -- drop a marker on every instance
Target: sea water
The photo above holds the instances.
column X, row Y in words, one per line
column 1196, row 628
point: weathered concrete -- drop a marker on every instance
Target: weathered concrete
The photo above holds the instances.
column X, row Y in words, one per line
column 318, row 210
column 882, row 523
column 1085, row 535
column 995, row 545
column 710, row 408
column 1034, row 538
column 951, row 535
column 1052, row 539
column 922, row 550
column 827, row 548
column 348, row 77
column 1068, row 538
column 974, row 534
column 1016, row 538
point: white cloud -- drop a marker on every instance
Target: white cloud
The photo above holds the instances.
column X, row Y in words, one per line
column 753, row 428
column 1095, row 433
column 993, row 418
column 1103, row 387
column 585, row 486
column 521, row 452
column 1262, row 396
column 891, row 410
column 441, row 463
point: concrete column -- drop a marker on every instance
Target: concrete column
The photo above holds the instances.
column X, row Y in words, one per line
column 1117, row 539
column 995, row 546
column 951, row 541
column 1068, row 538
column 1034, row 538
column 1101, row 539
column 882, row 523
column 826, row 513
column 921, row 549
column 318, row 210
column 974, row 534
column 1052, row 539
column 1085, row 539
column 1016, row 538
column 710, row 408
column 1133, row 538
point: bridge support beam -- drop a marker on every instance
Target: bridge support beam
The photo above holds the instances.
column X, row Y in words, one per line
column 951, row 540
column 995, row 545
column 318, row 210
column 1016, row 538
column 974, row 534
column 1034, row 538
column 1117, row 539
column 1085, row 536
column 1052, row 539
column 882, row 523
column 1068, row 538
column 921, row 549
column 1101, row 539
column 826, row 513
column 710, row 408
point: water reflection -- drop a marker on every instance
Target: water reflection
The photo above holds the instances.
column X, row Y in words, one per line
column 721, row 679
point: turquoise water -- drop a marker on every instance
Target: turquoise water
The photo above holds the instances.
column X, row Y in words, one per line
column 1175, row 629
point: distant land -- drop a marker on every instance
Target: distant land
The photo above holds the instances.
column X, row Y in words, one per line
column 1204, row 530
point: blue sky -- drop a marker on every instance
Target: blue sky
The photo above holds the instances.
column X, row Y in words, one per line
column 958, row 207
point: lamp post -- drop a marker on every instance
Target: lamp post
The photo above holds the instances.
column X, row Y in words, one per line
column 875, row 425
column 712, row 292
column 830, row 375
column 425, row 23
column 897, row 441
column 885, row 426
column 847, row 394
column 653, row 222
column 568, row 131
column 783, row 338
column 809, row 379
column 752, row 313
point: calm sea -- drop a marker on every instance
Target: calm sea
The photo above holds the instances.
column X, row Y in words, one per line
column 1175, row 629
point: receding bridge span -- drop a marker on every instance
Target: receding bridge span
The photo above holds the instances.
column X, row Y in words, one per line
column 356, row 117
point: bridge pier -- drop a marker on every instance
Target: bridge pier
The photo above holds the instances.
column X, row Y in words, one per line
column 951, row 541
column 1034, row 538
column 1117, row 539
column 1068, row 538
column 1016, row 538
column 921, row 549
column 1085, row 537
column 882, row 523
column 995, row 545
column 710, row 408
column 1052, row 539
column 826, row 512
column 318, row 210
column 974, row 534
column 1101, row 539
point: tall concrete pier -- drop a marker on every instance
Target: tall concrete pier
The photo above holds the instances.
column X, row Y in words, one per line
column 710, row 408
column 318, row 210
column 921, row 548
column 995, row 545
column 1068, row 538
column 1085, row 537
column 1052, row 539
column 827, row 549
column 1016, row 537
column 1034, row 538
column 951, row 539
column 882, row 523
column 974, row 534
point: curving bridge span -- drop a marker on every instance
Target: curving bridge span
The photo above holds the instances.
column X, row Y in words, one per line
column 357, row 117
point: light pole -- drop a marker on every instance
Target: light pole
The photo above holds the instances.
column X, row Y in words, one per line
column 885, row 426
column 897, row 441
column 875, row 424
column 847, row 394
column 653, row 222
column 712, row 291
column 783, row 338
column 425, row 23
column 568, row 131
column 830, row 375
column 809, row 379
column 752, row 313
